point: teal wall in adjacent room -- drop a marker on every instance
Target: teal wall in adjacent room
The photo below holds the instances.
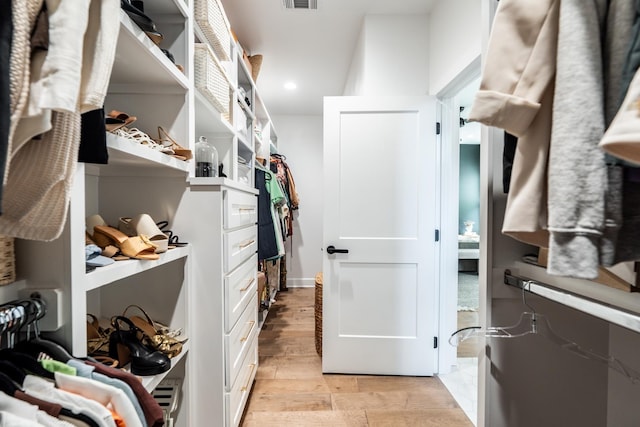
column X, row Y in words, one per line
column 469, row 203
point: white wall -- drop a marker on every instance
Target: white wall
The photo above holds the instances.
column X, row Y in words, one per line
column 300, row 140
column 454, row 40
column 391, row 56
column 355, row 78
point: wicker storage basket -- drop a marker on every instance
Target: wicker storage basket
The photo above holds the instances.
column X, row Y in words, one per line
column 7, row 261
column 212, row 21
column 318, row 314
column 210, row 79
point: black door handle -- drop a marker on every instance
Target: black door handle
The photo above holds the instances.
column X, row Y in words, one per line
column 332, row 250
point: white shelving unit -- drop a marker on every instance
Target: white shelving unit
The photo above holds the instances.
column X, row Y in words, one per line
column 207, row 288
column 146, row 84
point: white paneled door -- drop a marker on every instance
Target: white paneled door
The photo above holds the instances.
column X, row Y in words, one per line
column 380, row 306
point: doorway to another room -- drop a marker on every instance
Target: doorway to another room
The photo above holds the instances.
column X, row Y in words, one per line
column 462, row 381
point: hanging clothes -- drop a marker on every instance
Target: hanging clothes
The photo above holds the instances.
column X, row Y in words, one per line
column 68, row 79
column 516, row 94
column 552, row 79
column 267, row 245
column 277, row 199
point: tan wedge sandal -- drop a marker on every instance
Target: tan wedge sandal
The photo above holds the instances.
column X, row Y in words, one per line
column 179, row 151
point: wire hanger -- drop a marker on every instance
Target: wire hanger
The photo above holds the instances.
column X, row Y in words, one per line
column 531, row 322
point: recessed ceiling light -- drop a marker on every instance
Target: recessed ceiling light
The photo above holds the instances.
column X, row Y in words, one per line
column 290, row 86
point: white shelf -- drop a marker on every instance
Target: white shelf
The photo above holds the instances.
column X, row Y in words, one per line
column 208, row 118
column 166, row 7
column 245, row 107
column 243, row 144
column 125, row 153
column 226, row 182
column 140, row 66
column 103, row 276
column 151, row 382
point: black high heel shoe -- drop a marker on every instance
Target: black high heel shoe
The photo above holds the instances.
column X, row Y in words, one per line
column 143, row 21
column 124, row 345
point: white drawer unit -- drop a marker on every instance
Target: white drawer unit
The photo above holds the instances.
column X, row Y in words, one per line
column 238, row 341
column 239, row 287
column 237, row 397
column 240, row 209
column 239, row 245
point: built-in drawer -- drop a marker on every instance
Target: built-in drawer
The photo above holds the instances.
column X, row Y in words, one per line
column 236, row 399
column 239, row 245
column 237, row 342
column 240, row 209
column 239, row 287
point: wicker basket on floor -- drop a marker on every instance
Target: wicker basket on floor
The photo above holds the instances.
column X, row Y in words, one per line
column 7, row 260
column 318, row 314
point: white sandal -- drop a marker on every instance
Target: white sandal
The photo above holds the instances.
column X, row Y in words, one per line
column 140, row 137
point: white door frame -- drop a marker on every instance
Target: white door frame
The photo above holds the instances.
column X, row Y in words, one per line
column 489, row 140
column 449, row 179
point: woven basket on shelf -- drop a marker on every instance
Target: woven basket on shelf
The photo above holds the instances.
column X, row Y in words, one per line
column 256, row 63
column 212, row 21
column 7, row 261
column 210, row 79
column 318, row 314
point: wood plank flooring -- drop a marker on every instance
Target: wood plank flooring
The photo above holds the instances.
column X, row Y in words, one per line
column 290, row 389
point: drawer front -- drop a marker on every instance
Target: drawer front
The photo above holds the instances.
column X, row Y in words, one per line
column 237, row 398
column 239, row 245
column 237, row 343
column 239, row 287
column 239, row 209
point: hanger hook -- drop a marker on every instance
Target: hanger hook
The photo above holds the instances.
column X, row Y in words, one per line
column 526, row 285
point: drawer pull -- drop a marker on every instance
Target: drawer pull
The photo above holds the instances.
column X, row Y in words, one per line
column 253, row 279
column 246, row 243
column 246, row 209
column 251, row 324
column 245, row 387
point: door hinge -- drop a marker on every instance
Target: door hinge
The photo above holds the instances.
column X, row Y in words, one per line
column 435, row 342
column 437, row 128
column 437, row 235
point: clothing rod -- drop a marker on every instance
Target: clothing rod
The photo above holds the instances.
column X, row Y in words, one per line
column 602, row 311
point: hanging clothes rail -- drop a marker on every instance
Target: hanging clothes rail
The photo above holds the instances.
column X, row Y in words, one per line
column 611, row 314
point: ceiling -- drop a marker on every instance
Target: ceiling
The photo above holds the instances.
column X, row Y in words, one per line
column 312, row 48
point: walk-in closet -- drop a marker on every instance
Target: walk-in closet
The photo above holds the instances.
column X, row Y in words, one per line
column 315, row 212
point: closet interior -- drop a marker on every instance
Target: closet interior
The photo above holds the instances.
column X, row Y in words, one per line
column 196, row 82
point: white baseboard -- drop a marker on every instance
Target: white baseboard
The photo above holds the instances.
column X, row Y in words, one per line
column 301, row 283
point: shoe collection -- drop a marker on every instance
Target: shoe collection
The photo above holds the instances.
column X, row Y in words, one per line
column 137, row 237
column 116, row 122
column 135, row 10
column 146, row 345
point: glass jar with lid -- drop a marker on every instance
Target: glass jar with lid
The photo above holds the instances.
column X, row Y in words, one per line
column 206, row 158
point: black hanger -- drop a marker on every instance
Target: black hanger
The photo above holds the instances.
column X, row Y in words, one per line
column 12, row 371
column 36, row 346
column 7, row 385
column 26, row 362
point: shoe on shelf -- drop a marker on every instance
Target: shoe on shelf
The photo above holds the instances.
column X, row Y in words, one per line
column 118, row 119
column 125, row 345
column 91, row 221
column 143, row 224
column 179, row 151
column 174, row 239
column 142, row 138
column 97, row 337
column 155, row 334
column 141, row 20
column 138, row 247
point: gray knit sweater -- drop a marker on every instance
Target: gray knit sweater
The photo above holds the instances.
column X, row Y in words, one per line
column 577, row 168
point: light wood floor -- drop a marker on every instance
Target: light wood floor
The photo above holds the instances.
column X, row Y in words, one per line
column 290, row 389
